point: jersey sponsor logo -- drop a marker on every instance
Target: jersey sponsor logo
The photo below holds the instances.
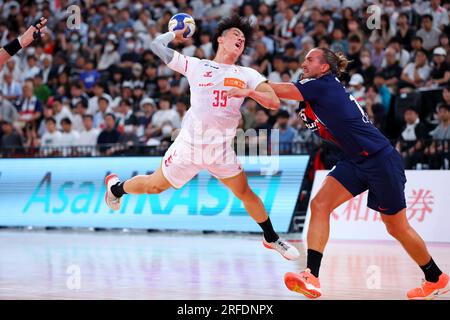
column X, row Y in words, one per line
column 313, row 123
column 234, row 82
column 209, row 84
column 207, row 74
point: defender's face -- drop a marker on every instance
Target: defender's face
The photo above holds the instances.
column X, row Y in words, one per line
column 233, row 41
column 313, row 65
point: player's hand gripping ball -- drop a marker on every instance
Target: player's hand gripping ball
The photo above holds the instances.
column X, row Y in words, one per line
column 180, row 21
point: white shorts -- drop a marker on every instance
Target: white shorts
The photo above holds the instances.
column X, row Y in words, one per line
column 184, row 160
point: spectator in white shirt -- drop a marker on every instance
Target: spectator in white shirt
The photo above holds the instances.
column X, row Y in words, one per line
column 60, row 112
column 69, row 137
column 51, row 138
column 439, row 13
column 99, row 91
column 88, row 137
column 31, row 69
column 103, row 110
column 164, row 121
column 10, row 88
column 415, row 75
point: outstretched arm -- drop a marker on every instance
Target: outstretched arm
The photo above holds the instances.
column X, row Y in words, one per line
column 263, row 94
column 286, row 90
column 36, row 31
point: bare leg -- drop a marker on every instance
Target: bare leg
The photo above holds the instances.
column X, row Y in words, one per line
column 330, row 196
column 398, row 226
column 152, row 183
column 252, row 203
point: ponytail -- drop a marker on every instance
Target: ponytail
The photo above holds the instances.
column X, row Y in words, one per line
column 337, row 61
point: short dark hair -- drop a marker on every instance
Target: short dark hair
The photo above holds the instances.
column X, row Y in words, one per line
column 66, row 121
column 429, row 16
column 87, row 115
column 283, row 114
column 444, row 105
column 417, row 38
column 237, row 22
column 51, row 119
column 111, row 115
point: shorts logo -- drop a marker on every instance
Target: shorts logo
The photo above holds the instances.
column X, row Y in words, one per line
column 382, row 209
column 208, row 74
column 168, row 161
column 234, row 82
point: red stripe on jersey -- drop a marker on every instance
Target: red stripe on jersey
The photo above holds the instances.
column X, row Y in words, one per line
column 186, row 65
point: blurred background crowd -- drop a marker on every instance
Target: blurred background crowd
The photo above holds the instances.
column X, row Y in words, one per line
column 93, row 82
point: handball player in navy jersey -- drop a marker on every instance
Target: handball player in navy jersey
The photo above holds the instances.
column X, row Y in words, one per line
column 371, row 163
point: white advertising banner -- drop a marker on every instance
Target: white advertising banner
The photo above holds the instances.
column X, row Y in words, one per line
column 427, row 195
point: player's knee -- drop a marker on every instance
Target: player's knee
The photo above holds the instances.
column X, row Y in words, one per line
column 319, row 206
column 395, row 229
column 151, row 187
column 244, row 193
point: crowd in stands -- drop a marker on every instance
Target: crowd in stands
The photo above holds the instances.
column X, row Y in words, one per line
column 98, row 83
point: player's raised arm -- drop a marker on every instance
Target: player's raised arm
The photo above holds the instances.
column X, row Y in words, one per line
column 286, row 90
column 159, row 45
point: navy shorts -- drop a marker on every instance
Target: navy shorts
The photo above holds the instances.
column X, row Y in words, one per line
column 382, row 174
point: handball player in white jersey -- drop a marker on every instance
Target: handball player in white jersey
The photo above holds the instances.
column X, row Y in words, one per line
column 218, row 88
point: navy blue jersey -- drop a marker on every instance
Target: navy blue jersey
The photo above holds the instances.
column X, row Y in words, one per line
column 332, row 113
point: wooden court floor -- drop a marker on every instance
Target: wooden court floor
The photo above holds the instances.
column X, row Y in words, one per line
column 117, row 265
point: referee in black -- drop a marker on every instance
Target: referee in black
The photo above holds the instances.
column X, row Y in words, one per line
column 34, row 32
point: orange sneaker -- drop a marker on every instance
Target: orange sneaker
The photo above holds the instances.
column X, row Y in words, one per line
column 304, row 282
column 430, row 290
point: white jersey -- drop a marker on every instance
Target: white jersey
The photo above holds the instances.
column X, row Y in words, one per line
column 212, row 117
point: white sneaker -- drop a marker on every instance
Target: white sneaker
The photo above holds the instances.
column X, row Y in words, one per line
column 287, row 250
column 111, row 200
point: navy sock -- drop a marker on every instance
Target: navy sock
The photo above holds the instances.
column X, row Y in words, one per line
column 431, row 271
column 117, row 189
column 313, row 261
column 269, row 234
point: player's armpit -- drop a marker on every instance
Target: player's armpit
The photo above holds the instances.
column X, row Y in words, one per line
column 286, row 90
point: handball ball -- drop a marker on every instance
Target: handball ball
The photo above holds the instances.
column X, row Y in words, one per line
column 178, row 21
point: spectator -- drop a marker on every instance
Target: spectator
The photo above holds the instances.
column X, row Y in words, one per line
column 354, row 51
column 89, row 76
column 440, row 72
column 415, row 75
column 249, row 109
column 377, row 54
column 51, row 138
column 145, row 115
column 109, row 57
column 392, row 72
column 286, row 132
column 123, row 114
column 29, row 106
column 41, row 90
column 279, row 66
column 99, row 91
column 358, row 90
column 404, row 31
column 60, row 111
column 439, row 14
column 437, row 152
column 416, row 45
column 109, row 136
column 8, row 112
column 410, row 142
column 428, row 33
column 69, row 137
column 10, row 89
column 182, row 106
column 103, row 109
column 31, row 69
column 367, row 70
column 88, row 136
column 10, row 139
column 164, row 121
column 401, row 54
column 78, row 94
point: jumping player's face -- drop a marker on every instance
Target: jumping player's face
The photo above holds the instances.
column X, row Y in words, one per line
column 313, row 65
column 233, row 41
